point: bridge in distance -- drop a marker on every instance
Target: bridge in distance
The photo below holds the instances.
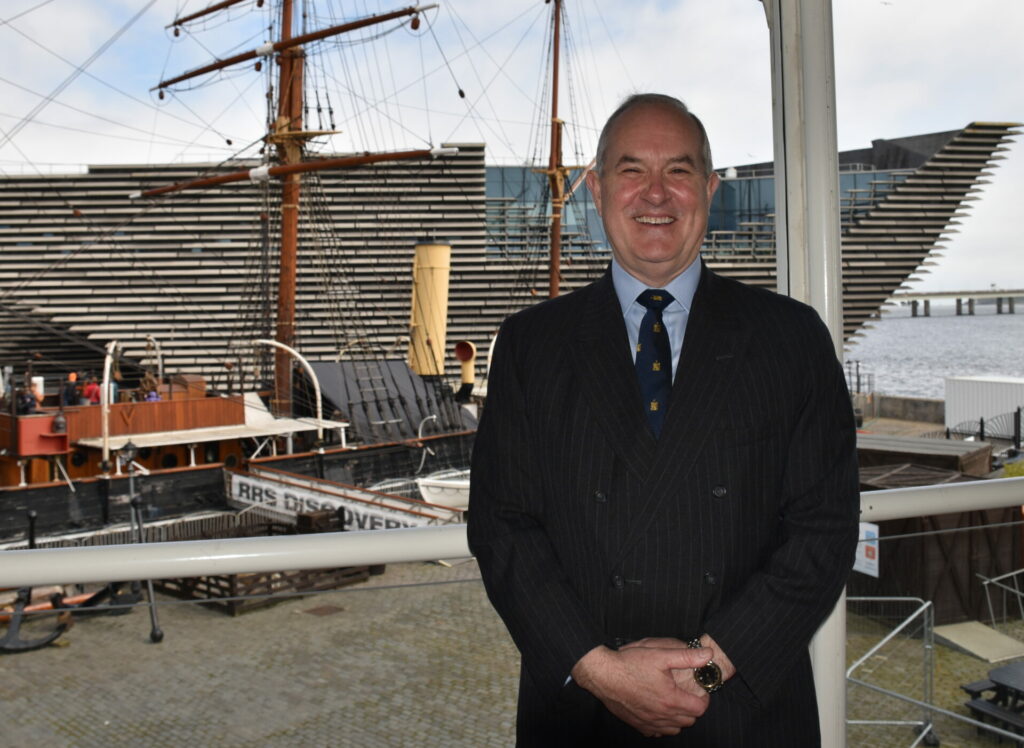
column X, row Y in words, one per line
column 921, row 301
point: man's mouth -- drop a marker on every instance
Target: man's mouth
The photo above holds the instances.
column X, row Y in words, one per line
column 654, row 220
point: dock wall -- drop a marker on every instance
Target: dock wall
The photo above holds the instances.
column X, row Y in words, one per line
column 874, row 405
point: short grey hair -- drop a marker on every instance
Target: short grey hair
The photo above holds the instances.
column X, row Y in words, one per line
column 642, row 99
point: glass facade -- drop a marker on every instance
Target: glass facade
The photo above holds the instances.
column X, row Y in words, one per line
column 518, row 207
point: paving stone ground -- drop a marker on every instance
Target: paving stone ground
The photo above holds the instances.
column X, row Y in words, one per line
column 413, row 657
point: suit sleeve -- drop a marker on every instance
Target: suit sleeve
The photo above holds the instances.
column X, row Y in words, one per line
column 520, row 567
column 774, row 615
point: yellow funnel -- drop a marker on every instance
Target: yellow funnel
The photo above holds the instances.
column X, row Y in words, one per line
column 428, row 325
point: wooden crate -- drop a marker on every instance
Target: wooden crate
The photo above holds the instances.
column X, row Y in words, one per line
column 238, row 593
column 225, row 591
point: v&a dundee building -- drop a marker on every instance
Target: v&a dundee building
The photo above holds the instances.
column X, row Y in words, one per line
column 83, row 263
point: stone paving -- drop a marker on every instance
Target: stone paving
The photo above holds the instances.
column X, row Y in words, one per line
column 413, row 657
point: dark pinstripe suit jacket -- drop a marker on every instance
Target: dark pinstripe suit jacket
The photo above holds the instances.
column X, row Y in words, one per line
column 740, row 521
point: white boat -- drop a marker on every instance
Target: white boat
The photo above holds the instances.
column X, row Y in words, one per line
column 446, row 487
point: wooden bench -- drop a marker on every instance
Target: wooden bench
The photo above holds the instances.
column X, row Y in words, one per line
column 982, row 708
column 978, row 687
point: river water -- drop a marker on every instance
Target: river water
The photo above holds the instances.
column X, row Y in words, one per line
column 911, row 356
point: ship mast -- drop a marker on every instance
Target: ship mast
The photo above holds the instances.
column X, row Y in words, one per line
column 288, row 136
column 556, row 171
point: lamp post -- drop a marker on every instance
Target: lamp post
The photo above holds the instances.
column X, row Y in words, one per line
column 128, row 453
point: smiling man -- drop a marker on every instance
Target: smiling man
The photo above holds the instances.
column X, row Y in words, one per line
column 653, row 186
column 664, row 489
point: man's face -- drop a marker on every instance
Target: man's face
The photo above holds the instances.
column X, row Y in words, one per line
column 653, row 195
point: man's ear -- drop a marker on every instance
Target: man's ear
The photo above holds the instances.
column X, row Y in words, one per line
column 713, row 182
column 594, row 185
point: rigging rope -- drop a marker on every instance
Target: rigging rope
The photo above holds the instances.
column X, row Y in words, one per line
column 79, row 69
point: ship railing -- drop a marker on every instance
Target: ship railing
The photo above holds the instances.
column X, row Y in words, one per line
column 1011, row 585
column 368, row 548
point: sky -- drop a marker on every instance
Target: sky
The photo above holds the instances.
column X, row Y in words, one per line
column 75, row 80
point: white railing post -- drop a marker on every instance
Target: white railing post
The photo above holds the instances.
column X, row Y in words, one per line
column 807, row 243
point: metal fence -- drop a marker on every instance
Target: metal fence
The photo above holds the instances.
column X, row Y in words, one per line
column 892, row 641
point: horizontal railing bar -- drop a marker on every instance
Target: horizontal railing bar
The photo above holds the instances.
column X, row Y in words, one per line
column 192, row 558
column 195, row 558
column 923, row 501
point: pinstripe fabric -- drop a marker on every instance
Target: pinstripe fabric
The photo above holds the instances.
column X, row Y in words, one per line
column 740, row 521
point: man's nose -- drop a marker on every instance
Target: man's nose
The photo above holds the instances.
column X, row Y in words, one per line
column 654, row 192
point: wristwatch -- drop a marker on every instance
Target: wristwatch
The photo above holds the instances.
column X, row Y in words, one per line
column 708, row 677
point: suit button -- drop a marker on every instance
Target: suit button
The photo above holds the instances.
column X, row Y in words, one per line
column 618, row 582
column 710, row 578
column 719, row 492
column 599, row 496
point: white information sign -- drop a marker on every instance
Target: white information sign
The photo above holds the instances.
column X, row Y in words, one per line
column 866, row 561
column 287, row 501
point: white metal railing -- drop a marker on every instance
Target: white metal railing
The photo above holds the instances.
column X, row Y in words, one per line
column 193, row 558
column 293, row 552
column 190, row 558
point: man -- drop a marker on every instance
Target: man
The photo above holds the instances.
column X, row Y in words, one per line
column 69, row 395
column 662, row 557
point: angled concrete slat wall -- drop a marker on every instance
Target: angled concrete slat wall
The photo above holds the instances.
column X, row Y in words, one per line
column 83, row 264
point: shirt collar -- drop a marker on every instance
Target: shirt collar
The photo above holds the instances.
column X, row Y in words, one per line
column 682, row 287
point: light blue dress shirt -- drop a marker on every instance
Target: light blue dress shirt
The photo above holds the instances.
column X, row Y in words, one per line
column 675, row 315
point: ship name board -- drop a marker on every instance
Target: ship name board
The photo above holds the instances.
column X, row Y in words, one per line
column 288, row 501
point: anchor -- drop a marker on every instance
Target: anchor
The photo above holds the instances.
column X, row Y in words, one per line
column 12, row 641
column 119, row 601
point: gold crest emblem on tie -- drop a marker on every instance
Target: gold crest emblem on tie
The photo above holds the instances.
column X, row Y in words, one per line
column 654, row 405
column 656, row 366
column 657, row 327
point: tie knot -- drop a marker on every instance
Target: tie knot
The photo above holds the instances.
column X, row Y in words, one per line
column 655, row 299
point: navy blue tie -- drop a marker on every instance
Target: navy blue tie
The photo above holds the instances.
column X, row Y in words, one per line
column 654, row 358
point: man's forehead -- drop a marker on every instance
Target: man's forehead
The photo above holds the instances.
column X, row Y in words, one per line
column 682, row 158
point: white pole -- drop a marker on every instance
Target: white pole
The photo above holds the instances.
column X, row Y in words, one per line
column 193, row 558
column 807, row 222
column 316, row 386
column 807, row 229
column 105, row 408
column 159, row 358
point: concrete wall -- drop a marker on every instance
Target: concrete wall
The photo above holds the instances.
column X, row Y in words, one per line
column 927, row 410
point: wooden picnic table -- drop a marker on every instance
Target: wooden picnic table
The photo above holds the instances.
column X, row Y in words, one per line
column 1005, row 706
column 1009, row 683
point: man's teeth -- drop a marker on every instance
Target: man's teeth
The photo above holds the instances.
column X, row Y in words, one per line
column 655, row 219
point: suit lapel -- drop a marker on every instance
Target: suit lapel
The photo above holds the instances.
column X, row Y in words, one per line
column 608, row 379
column 714, row 343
